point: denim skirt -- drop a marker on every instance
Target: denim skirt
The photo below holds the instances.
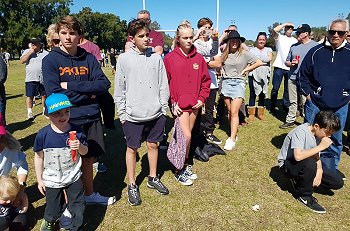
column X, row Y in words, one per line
column 233, row 88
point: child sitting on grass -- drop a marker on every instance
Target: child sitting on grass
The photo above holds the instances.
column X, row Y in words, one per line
column 299, row 158
column 13, row 204
column 57, row 164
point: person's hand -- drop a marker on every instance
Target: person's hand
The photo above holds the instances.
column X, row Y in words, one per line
column 41, row 187
column 176, row 109
column 93, row 96
column 215, row 35
column 198, row 105
column 244, row 72
column 74, row 144
column 23, row 206
column 64, row 85
column 308, row 97
column 294, row 62
column 199, row 33
column 318, row 178
column 325, row 143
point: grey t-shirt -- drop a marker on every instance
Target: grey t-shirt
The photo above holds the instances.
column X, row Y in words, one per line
column 33, row 66
column 301, row 50
column 236, row 62
column 301, row 138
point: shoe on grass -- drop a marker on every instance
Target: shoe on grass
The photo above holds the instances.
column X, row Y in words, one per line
column 230, row 144
column 311, row 203
column 30, row 116
column 182, row 178
column 134, row 195
column 155, row 183
column 287, row 125
column 189, row 173
column 47, row 226
column 212, row 139
column 96, row 198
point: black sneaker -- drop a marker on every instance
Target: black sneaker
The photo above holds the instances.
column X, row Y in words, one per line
column 342, row 175
column 155, row 183
column 47, row 226
column 286, row 125
column 134, row 195
column 182, row 178
column 212, row 139
column 311, row 203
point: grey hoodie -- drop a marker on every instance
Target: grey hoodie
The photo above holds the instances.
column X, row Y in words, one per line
column 141, row 90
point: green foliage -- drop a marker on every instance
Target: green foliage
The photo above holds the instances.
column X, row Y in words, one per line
column 318, row 33
column 106, row 30
column 21, row 20
column 270, row 42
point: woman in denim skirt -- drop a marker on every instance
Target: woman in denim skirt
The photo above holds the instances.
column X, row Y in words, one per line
column 236, row 64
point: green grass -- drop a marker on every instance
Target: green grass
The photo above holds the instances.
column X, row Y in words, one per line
column 220, row 199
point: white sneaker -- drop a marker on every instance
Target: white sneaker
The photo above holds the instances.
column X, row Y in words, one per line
column 66, row 220
column 229, row 144
column 96, row 198
column 30, row 116
column 189, row 172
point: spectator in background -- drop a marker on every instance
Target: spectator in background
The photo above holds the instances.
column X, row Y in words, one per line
column 7, row 57
column 52, row 37
column 3, row 77
column 294, row 59
column 259, row 78
column 91, row 48
column 112, row 57
column 155, row 37
column 33, row 57
column 280, row 70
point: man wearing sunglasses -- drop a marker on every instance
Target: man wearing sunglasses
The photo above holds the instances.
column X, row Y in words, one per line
column 280, row 70
column 324, row 78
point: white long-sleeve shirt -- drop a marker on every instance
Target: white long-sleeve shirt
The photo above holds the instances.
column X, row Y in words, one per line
column 12, row 158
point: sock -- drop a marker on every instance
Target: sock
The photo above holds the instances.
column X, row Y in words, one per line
column 43, row 109
column 29, row 110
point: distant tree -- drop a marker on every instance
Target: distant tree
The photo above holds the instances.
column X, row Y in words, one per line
column 21, row 20
column 154, row 25
column 104, row 29
column 318, row 33
column 270, row 42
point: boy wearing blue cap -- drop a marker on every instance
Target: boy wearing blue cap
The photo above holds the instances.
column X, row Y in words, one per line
column 57, row 163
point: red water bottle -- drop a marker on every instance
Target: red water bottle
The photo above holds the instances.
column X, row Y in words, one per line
column 297, row 58
column 72, row 136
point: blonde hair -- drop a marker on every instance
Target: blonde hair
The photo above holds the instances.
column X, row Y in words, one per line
column 183, row 25
column 10, row 142
column 9, row 188
column 51, row 31
column 228, row 50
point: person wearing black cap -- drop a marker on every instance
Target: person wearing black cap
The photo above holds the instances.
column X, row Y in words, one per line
column 33, row 57
column 294, row 59
column 236, row 64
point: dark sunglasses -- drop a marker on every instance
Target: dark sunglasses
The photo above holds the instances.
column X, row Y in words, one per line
column 289, row 27
column 340, row 33
column 56, row 41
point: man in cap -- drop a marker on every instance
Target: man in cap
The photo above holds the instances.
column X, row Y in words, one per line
column 280, row 70
column 33, row 57
column 324, row 78
column 294, row 59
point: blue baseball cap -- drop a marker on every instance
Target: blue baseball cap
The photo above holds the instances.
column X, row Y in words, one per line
column 56, row 102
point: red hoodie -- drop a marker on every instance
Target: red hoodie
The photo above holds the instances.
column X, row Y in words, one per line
column 188, row 77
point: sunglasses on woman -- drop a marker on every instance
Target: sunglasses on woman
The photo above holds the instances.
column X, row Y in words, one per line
column 56, row 41
column 339, row 32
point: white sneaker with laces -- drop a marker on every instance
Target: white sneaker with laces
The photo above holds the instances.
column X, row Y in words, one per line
column 66, row 220
column 30, row 115
column 229, row 144
column 96, row 198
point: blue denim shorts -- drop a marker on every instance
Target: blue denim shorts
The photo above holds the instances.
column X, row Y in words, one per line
column 233, row 88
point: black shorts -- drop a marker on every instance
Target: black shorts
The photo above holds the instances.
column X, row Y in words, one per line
column 34, row 88
column 151, row 131
column 94, row 135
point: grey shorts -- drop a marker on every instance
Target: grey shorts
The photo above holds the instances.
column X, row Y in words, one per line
column 233, row 88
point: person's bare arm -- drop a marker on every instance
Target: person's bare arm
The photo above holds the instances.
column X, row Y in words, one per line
column 26, row 57
column 303, row 154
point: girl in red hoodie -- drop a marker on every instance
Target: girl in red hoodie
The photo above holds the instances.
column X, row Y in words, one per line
column 189, row 83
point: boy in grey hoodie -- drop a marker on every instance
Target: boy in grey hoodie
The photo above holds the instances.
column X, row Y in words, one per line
column 141, row 95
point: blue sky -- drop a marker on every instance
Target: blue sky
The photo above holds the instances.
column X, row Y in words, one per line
column 250, row 16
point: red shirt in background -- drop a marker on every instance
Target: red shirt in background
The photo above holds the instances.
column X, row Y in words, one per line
column 93, row 49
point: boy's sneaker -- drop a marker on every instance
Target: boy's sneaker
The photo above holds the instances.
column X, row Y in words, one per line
column 230, row 144
column 213, row 139
column 30, row 116
column 66, row 220
column 47, row 226
column 155, row 183
column 182, row 178
column 134, row 195
column 311, row 203
column 286, row 125
column 96, row 198
column 189, row 172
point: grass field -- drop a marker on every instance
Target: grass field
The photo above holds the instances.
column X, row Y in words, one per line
column 220, row 199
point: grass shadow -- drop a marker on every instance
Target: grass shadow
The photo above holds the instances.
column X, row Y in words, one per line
column 277, row 141
column 28, row 141
column 281, row 180
column 19, row 125
column 8, row 96
column 91, row 223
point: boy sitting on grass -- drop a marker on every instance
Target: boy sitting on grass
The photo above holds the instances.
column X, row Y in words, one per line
column 299, row 158
column 57, row 164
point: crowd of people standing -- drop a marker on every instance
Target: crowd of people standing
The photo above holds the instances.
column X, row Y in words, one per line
column 74, row 90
